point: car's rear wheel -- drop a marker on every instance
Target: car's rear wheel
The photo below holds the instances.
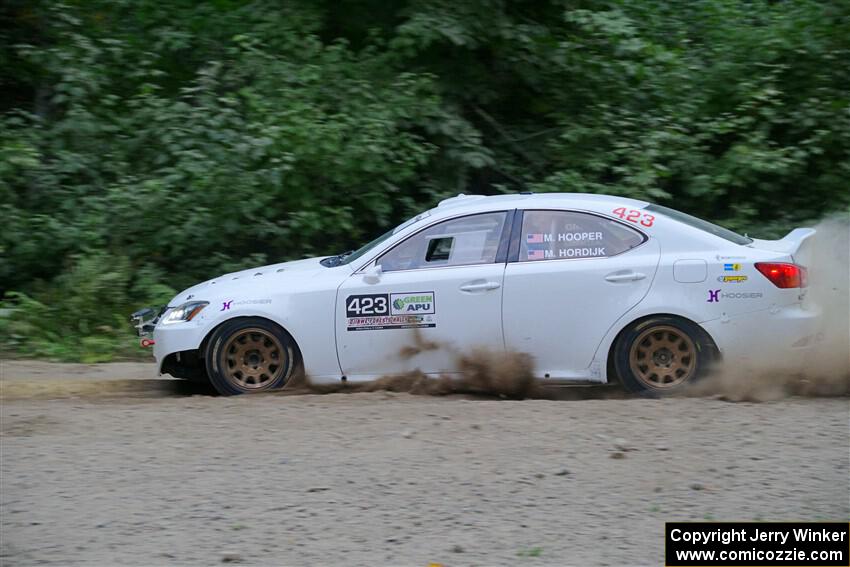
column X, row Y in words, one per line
column 249, row 355
column 661, row 355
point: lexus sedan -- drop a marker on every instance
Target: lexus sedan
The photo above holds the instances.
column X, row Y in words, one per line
column 595, row 288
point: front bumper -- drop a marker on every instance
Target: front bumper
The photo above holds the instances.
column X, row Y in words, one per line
column 165, row 339
column 180, row 337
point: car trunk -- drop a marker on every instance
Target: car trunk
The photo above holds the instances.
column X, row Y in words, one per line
column 797, row 245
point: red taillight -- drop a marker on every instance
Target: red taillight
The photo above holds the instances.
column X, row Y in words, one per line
column 784, row 275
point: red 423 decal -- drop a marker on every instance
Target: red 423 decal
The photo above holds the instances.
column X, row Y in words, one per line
column 637, row 217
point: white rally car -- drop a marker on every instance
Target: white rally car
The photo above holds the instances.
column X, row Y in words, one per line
column 592, row 287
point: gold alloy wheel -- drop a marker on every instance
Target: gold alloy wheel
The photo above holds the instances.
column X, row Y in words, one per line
column 253, row 359
column 663, row 357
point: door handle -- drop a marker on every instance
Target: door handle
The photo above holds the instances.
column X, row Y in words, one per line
column 482, row 286
column 625, row 276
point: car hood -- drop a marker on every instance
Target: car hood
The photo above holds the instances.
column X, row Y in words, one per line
column 256, row 280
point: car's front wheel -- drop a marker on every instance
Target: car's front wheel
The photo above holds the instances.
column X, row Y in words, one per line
column 248, row 355
column 661, row 355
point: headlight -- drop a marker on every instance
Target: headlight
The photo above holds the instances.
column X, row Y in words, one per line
column 185, row 312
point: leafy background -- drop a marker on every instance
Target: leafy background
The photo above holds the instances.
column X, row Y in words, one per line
column 147, row 145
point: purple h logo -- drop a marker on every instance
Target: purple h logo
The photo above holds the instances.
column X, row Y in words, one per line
column 226, row 305
column 712, row 296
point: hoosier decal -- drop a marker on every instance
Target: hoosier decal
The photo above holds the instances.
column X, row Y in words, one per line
column 714, row 295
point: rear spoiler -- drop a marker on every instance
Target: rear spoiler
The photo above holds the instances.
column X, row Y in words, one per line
column 791, row 243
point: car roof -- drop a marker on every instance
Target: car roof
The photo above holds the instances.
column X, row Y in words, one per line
column 587, row 201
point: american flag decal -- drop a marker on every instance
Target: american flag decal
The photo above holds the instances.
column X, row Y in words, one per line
column 535, row 254
column 534, row 238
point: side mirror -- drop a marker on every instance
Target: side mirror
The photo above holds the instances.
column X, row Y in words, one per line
column 373, row 274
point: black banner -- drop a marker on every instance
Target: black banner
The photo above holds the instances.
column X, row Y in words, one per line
column 763, row 544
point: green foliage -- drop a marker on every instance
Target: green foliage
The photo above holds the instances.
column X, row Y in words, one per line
column 81, row 314
column 146, row 145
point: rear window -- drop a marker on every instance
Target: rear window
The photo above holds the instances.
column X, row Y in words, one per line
column 565, row 235
column 703, row 225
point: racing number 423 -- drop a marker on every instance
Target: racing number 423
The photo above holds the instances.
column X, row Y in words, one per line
column 366, row 305
column 631, row 215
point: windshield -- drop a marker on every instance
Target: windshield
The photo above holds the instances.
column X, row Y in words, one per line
column 705, row 226
column 349, row 257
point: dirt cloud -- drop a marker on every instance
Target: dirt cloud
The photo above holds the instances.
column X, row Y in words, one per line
column 480, row 372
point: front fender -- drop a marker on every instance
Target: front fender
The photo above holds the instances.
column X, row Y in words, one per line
column 308, row 320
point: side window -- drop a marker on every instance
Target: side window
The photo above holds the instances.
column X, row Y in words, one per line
column 552, row 235
column 457, row 242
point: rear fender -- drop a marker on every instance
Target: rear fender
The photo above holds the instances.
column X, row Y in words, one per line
column 602, row 356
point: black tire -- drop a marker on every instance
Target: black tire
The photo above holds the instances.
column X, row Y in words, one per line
column 662, row 355
column 250, row 355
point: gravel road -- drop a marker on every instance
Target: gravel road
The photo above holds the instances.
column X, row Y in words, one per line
column 103, row 465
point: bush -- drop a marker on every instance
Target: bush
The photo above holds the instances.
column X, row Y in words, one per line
column 81, row 315
column 149, row 145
